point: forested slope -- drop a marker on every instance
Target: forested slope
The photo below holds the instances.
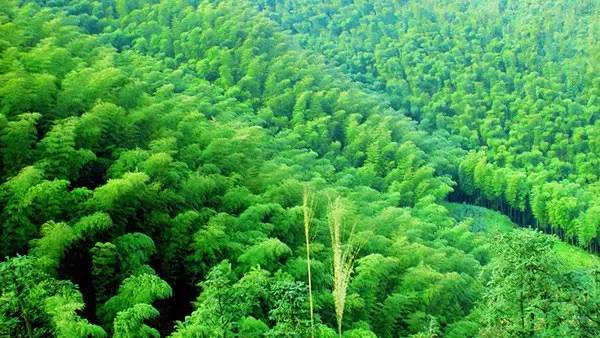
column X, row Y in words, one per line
column 516, row 82
column 158, row 164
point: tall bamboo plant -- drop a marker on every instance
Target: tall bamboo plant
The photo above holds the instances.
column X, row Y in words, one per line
column 343, row 259
column 307, row 208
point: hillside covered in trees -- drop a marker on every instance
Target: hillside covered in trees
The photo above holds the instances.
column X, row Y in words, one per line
column 256, row 168
column 515, row 82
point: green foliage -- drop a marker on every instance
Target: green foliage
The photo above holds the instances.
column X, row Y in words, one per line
column 23, row 294
column 63, row 308
column 137, row 289
column 495, row 78
column 50, row 248
column 528, row 292
column 267, row 254
column 17, row 139
column 220, row 303
column 156, row 152
column 60, row 159
column 33, row 304
column 17, row 224
column 129, row 323
column 115, row 191
column 103, row 129
column 288, row 309
column 92, row 225
column 104, row 270
column 134, row 250
column 252, row 328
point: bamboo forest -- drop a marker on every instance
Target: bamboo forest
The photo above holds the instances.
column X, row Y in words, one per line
column 300, row 168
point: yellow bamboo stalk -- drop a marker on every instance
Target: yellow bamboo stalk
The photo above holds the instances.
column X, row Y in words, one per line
column 308, row 214
column 343, row 260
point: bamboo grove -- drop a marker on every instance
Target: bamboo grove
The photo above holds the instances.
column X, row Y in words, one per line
column 299, row 169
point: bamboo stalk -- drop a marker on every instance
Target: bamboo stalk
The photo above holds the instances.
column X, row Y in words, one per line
column 308, row 214
column 343, row 260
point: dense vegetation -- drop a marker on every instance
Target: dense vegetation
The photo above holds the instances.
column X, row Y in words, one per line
column 196, row 169
column 516, row 82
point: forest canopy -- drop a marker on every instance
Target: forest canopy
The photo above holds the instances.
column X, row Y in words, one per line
column 299, row 169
